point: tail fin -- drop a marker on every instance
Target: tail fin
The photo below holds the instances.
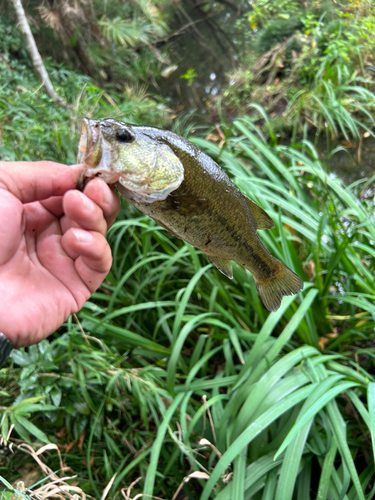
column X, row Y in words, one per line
column 284, row 282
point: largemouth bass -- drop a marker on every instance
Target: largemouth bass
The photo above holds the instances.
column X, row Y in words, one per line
column 186, row 192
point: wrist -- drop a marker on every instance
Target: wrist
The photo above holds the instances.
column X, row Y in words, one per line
column 5, row 348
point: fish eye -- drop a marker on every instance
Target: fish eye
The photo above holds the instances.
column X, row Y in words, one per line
column 123, row 135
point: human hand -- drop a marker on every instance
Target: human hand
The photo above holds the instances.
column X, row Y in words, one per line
column 53, row 251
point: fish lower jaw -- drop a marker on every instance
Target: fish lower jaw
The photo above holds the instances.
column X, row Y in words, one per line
column 140, row 194
column 109, row 176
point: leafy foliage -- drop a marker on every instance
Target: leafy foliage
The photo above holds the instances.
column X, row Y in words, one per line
column 32, row 128
column 174, row 370
column 100, row 38
column 173, row 380
column 312, row 68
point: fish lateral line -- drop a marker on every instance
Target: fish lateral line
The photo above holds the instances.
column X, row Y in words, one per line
column 186, row 192
column 186, row 204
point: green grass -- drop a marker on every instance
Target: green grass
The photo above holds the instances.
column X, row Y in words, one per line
column 338, row 103
column 180, row 377
column 33, row 128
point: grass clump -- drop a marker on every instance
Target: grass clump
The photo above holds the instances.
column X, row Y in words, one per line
column 32, row 128
column 175, row 380
column 312, row 71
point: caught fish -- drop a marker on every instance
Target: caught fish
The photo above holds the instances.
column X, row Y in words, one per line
column 184, row 190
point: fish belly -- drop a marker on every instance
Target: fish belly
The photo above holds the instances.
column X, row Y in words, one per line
column 225, row 241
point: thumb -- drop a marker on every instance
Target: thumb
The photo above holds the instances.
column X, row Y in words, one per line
column 34, row 181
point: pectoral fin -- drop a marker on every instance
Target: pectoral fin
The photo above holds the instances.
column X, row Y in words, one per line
column 223, row 265
column 262, row 219
column 186, row 205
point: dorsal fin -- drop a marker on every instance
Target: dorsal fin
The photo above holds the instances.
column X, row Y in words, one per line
column 262, row 219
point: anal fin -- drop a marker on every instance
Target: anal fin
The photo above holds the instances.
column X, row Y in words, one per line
column 262, row 219
column 224, row 266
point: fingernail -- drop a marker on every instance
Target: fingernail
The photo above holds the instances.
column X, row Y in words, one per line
column 87, row 203
column 82, row 235
column 107, row 194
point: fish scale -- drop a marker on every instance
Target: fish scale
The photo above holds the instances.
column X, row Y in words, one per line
column 185, row 191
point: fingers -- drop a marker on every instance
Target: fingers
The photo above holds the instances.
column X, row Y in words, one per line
column 94, row 210
column 34, row 181
column 81, row 211
column 54, row 205
column 11, row 226
column 91, row 253
column 100, row 193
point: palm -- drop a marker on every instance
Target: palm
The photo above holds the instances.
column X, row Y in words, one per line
column 46, row 274
column 40, row 286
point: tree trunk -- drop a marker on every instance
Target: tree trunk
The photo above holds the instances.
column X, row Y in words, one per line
column 36, row 59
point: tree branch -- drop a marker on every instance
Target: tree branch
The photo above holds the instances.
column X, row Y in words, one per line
column 36, row 59
column 233, row 6
column 180, row 32
column 200, row 38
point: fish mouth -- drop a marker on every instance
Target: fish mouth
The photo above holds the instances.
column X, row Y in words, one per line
column 89, row 148
column 90, row 143
column 84, row 140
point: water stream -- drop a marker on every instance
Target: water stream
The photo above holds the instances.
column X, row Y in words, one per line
column 349, row 162
column 208, row 75
column 352, row 163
